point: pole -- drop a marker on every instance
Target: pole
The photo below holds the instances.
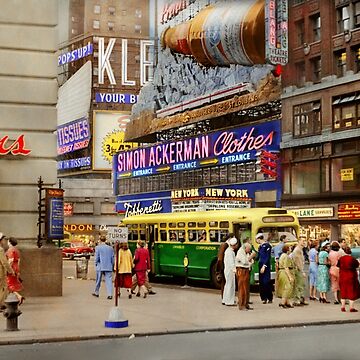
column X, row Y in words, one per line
column 186, row 269
column 116, row 272
column 40, row 188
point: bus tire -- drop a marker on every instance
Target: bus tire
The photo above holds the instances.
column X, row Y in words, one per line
column 215, row 277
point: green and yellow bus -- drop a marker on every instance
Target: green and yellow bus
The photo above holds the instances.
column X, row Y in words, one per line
column 171, row 237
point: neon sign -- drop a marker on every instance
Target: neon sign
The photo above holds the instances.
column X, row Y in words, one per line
column 171, row 10
column 221, row 147
column 17, row 147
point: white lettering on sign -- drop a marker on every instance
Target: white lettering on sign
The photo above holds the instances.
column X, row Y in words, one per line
column 104, row 65
column 117, row 234
column 137, row 209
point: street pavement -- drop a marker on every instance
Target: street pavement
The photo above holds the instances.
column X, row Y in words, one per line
column 78, row 315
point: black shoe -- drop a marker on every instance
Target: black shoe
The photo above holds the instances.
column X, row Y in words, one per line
column 269, row 301
column 247, row 307
column 138, row 295
column 133, row 292
column 130, row 296
column 264, row 301
column 109, row 297
column 145, row 295
column 96, row 295
column 250, row 302
column 152, row 292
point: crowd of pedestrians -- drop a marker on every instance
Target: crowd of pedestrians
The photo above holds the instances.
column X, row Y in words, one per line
column 331, row 268
column 132, row 271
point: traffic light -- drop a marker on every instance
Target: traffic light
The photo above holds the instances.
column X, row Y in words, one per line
column 277, row 71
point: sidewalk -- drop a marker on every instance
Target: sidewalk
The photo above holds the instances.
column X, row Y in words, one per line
column 78, row 315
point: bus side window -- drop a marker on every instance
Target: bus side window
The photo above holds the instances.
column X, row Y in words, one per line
column 133, row 235
column 142, row 235
column 216, row 235
column 172, row 236
column 181, row 234
column 223, row 234
column 202, row 236
column 163, row 235
column 192, row 235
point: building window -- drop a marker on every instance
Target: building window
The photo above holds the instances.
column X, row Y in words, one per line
column 357, row 14
column 111, row 26
column 138, row 29
column 346, row 111
column 123, row 27
column 357, row 59
column 74, row 32
column 96, row 24
column 111, row 10
column 316, row 65
column 316, row 25
column 305, row 178
column 307, row 119
column 343, row 19
column 340, row 58
column 97, row 9
column 352, row 181
column 138, row 13
column 123, row 12
column 300, row 32
column 300, row 73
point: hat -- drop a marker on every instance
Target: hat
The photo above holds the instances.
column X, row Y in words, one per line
column 325, row 243
column 259, row 235
column 232, row 241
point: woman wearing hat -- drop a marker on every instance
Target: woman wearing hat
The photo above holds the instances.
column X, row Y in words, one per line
column 229, row 272
column 323, row 278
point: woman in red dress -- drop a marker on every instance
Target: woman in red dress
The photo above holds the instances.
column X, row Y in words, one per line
column 142, row 265
column 348, row 280
column 13, row 281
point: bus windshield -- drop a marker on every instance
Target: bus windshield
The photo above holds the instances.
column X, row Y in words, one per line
column 273, row 233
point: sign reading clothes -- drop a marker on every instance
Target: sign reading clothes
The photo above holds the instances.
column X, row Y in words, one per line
column 73, row 136
column 211, row 149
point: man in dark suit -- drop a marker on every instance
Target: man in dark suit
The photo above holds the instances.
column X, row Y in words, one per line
column 104, row 265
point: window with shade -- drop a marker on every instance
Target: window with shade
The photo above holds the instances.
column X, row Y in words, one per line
column 316, row 65
column 300, row 32
column 346, row 111
column 307, row 119
column 316, row 25
column 340, row 58
column 357, row 14
column 343, row 15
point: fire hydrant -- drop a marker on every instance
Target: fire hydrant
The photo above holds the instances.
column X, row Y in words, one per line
column 12, row 312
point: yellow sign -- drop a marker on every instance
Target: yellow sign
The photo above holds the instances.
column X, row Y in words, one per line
column 347, row 174
column 114, row 142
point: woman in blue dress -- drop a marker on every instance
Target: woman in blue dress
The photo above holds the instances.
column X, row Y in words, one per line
column 323, row 277
column 313, row 269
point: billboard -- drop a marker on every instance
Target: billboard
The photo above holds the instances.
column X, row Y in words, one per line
column 211, row 149
column 210, row 46
column 108, row 137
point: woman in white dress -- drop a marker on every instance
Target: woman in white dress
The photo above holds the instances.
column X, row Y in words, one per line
column 229, row 271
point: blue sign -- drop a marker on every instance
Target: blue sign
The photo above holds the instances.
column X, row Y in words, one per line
column 54, row 213
column 212, row 149
column 116, row 98
column 74, row 163
column 75, row 54
column 73, row 136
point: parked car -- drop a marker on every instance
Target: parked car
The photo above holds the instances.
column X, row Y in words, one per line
column 72, row 250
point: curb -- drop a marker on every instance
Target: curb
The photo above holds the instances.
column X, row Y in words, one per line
column 174, row 332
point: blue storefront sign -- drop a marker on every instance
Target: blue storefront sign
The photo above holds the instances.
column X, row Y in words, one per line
column 73, row 136
column 75, row 54
column 83, row 162
column 217, row 148
column 117, row 98
column 54, row 206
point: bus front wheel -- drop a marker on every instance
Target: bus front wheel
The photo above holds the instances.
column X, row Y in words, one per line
column 215, row 277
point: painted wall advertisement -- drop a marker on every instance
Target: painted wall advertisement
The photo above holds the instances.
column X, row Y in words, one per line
column 108, row 137
column 54, row 208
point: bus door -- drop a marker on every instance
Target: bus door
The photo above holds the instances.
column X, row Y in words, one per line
column 151, row 236
column 242, row 231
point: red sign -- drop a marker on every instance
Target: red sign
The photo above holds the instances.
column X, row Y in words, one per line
column 171, row 10
column 349, row 211
column 68, row 209
column 15, row 148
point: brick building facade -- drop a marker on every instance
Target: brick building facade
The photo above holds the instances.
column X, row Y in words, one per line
column 321, row 118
